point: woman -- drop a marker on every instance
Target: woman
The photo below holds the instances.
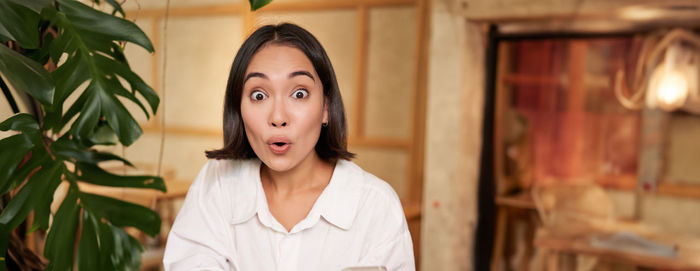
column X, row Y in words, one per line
column 281, row 193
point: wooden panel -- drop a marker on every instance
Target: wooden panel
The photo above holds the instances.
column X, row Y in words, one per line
column 141, row 63
column 682, row 150
column 184, row 153
column 198, row 68
column 387, row 164
column 156, row 4
column 391, row 65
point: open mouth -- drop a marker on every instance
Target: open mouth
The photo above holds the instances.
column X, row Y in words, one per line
column 279, row 145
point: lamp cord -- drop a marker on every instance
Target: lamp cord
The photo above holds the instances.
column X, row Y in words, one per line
column 652, row 47
column 162, row 84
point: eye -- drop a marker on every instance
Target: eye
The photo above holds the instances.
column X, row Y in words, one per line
column 300, row 93
column 258, row 95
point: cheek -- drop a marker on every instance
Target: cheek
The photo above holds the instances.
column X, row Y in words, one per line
column 251, row 120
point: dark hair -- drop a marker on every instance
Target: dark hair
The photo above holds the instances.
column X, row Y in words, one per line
column 332, row 143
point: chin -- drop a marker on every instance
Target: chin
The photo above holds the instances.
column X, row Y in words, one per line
column 278, row 164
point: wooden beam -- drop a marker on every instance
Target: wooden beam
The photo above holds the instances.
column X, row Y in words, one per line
column 499, row 126
column 242, row 7
column 328, row 5
column 183, row 130
column 678, row 189
column 360, row 71
column 518, row 10
column 392, row 143
column 420, row 74
column 209, row 10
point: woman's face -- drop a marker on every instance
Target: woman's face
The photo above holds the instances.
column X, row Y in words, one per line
column 282, row 107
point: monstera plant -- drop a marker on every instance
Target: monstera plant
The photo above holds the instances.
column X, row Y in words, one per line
column 51, row 50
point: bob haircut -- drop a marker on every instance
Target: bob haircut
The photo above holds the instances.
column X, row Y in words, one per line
column 332, row 142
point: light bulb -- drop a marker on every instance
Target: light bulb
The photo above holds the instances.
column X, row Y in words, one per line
column 672, row 90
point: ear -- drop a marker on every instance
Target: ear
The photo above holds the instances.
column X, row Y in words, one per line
column 325, row 111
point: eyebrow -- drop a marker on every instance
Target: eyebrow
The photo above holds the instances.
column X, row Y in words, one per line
column 254, row 74
column 299, row 73
column 293, row 74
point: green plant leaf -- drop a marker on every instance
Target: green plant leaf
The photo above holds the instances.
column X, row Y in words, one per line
column 38, row 157
column 123, row 124
column 25, row 200
column 35, row 5
column 83, row 127
column 26, row 75
column 40, row 55
column 61, row 237
column 99, row 102
column 70, row 150
column 88, row 248
column 68, row 77
column 42, row 210
column 134, row 80
column 72, row 111
column 102, row 26
column 93, row 174
column 87, row 36
column 257, row 4
column 103, row 135
column 19, row 23
column 21, row 122
column 117, row 7
column 118, row 250
column 14, row 148
column 116, row 87
column 121, row 213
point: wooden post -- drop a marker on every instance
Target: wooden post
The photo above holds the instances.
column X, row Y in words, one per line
column 651, row 154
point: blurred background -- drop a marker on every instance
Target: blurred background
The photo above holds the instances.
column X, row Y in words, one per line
column 520, row 135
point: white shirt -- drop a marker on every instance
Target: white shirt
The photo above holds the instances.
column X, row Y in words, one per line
column 225, row 224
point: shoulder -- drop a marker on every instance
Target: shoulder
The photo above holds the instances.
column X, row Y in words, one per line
column 220, row 182
column 368, row 182
column 373, row 192
column 220, row 186
column 223, row 172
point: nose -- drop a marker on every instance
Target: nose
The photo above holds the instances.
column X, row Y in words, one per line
column 278, row 116
column 275, row 124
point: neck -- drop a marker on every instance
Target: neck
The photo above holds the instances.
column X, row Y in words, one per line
column 309, row 174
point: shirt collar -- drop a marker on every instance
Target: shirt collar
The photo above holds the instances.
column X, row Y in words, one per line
column 337, row 204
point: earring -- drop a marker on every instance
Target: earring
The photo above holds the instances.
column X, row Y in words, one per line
column 325, row 124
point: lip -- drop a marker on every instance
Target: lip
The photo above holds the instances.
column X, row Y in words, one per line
column 279, row 149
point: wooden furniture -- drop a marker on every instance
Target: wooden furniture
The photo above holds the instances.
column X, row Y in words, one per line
column 512, row 208
column 574, row 215
column 579, row 244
